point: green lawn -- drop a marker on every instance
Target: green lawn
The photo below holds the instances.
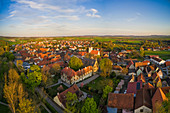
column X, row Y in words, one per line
column 94, row 87
column 53, row 90
column 162, row 54
column 4, row 109
column 43, row 110
column 49, row 106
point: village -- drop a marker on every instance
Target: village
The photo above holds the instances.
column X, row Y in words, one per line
column 120, row 83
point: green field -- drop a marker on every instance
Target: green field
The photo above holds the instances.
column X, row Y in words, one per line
column 4, row 109
column 162, row 54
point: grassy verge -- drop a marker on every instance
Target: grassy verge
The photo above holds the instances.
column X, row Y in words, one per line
column 43, row 110
column 4, row 109
column 49, row 106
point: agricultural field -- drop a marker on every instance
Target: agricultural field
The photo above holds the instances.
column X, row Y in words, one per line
column 162, row 54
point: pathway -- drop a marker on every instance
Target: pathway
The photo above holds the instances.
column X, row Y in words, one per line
column 4, row 103
column 50, row 101
column 59, row 82
column 88, row 80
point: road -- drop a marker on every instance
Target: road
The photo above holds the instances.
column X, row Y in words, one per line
column 53, row 104
column 88, row 80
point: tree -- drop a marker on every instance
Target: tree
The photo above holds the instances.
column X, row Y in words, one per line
column 1, row 51
column 19, row 65
column 106, row 67
column 89, row 106
column 142, row 51
column 106, row 91
column 164, row 107
column 10, row 89
column 71, row 100
column 75, row 63
column 26, row 106
column 33, row 77
column 45, row 73
column 113, row 74
column 55, row 69
column 103, row 83
column 124, row 71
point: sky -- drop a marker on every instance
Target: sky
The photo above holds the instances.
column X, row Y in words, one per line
column 84, row 17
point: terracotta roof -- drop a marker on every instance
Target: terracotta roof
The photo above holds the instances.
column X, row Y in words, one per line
column 69, row 72
column 153, row 56
column 94, row 52
column 116, row 67
column 121, row 101
column 167, row 63
column 140, row 64
column 132, row 87
column 158, row 98
column 73, row 89
column 143, row 98
column 82, row 53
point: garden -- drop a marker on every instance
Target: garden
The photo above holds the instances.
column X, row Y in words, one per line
column 52, row 92
column 95, row 87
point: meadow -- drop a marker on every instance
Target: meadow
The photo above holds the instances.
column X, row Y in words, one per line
column 162, row 54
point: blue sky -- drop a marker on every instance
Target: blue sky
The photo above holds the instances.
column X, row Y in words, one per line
column 84, row 17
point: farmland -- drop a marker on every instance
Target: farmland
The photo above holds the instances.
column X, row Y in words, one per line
column 162, row 54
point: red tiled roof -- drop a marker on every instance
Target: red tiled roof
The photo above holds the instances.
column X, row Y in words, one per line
column 167, row 63
column 73, row 89
column 94, row 52
column 158, row 98
column 141, row 64
column 69, row 72
column 143, row 99
column 132, row 87
column 82, row 53
column 116, row 67
column 121, row 101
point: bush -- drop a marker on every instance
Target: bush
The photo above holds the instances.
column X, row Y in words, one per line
column 113, row 74
column 119, row 77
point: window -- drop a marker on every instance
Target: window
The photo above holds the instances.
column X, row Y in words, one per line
column 141, row 110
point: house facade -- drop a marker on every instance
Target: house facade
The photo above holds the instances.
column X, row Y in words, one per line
column 69, row 76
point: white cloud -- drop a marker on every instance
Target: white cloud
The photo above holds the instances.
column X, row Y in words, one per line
column 12, row 14
column 43, row 6
column 92, row 13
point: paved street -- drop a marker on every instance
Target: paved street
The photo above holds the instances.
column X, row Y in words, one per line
column 59, row 82
column 53, row 104
column 88, row 80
